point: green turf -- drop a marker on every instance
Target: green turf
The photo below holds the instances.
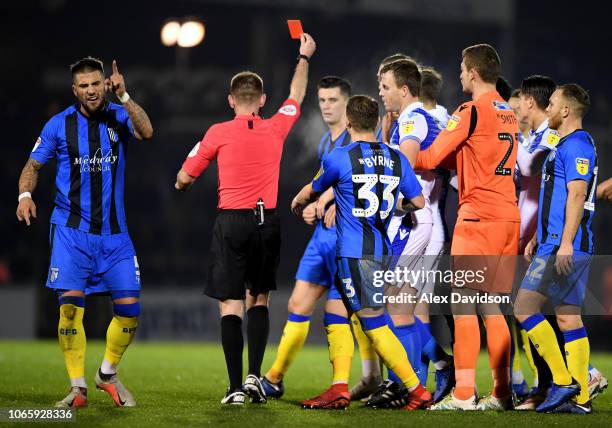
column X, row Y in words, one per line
column 180, row 384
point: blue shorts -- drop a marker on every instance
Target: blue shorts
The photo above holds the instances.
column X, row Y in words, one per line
column 543, row 278
column 318, row 264
column 92, row 263
column 356, row 282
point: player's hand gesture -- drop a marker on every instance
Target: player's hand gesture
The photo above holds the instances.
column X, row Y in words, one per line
column 115, row 82
column 307, row 45
column 309, row 215
column 297, row 207
column 26, row 209
column 330, row 217
column 564, row 262
column 530, row 249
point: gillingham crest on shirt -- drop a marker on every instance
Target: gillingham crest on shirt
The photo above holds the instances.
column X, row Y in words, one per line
column 112, row 135
column 582, row 166
column 54, row 274
column 288, row 110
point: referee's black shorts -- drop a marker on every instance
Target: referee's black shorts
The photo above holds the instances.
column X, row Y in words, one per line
column 243, row 255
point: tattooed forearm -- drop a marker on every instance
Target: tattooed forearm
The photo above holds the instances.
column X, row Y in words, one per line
column 140, row 120
column 29, row 176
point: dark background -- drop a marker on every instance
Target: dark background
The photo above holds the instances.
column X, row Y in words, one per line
column 184, row 92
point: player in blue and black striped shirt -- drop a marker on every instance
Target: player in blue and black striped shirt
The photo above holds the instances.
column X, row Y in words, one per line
column 367, row 177
column 91, row 251
column 563, row 248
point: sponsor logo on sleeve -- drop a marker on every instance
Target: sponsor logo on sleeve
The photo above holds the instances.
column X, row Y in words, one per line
column 288, row 110
column 194, row 151
column 319, row 173
column 453, row 122
column 553, row 138
column 407, row 127
column 582, row 166
column 36, row 144
column 501, row 105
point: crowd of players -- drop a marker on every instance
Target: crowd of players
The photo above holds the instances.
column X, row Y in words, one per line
column 412, row 124
column 526, row 175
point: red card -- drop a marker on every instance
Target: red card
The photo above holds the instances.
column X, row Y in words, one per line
column 295, row 28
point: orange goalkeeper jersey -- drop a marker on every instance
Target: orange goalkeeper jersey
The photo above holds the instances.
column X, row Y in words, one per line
column 481, row 136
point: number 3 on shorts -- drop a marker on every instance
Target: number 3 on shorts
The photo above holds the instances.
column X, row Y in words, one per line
column 349, row 290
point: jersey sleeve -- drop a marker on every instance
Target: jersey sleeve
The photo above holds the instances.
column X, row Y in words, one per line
column 549, row 141
column 458, row 129
column 412, row 127
column 578, row 160
column 409, row 184
column 202, row 154
column 124, row 119
column 46, row 144
column 285, row 118
column 329, row 173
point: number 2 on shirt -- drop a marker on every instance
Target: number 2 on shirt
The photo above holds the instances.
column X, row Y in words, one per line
column 365, row 192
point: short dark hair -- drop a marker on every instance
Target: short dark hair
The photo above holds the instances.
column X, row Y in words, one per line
column 485, row 60
column 578, row 96
column 516, row 93
column 335, row 82
column 431, row 84
column 406, row 73
column 395, row 57
column 246, row 87
column 87, row 65
column 540, row 88
column 503, row 87
column 362, row 113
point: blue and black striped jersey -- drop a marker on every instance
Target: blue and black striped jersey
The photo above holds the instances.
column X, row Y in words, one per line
column 326, row 144
column 367, row 178
column 90, row 174
column 574, row 158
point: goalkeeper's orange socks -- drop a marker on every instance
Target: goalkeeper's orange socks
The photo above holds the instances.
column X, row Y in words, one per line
column 466, row 349
column 71, row 336
column 498, row 345
column 292, row 341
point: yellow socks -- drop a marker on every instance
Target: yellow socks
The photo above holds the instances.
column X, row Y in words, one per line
column 119, row 335
column 543, row 337
column 71, row 335
column 389, row 348
column 577, row 352
column 294, row 336
column 341, row 346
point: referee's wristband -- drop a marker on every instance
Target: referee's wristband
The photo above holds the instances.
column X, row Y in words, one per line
column 300, row 56
column 24, row 195
column 124, row 98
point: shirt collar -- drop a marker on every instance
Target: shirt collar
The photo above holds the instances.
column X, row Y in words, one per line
column 411, row 107
column 247, row 117
column 540, row 128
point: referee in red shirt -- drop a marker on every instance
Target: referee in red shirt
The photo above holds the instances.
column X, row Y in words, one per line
column 245, row 248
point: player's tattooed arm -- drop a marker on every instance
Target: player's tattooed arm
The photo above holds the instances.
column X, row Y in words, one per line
column 140, row 120
column 27, row 184
column 142, row 125
column 29, row 176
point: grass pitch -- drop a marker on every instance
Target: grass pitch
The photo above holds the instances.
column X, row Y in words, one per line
column 181, row 384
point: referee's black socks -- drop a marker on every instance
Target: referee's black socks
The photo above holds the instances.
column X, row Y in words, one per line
column 258, row 327
column 233, row 344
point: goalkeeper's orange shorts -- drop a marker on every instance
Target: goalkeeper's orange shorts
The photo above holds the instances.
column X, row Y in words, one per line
column 489, row 248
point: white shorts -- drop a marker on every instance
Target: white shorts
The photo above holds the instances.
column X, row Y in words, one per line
column 409, row 245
